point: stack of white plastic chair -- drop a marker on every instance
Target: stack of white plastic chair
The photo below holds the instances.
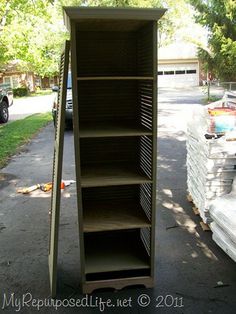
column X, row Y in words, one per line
column 211, row 163
column 223, row 213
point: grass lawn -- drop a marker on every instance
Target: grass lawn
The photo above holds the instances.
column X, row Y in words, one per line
column 14, row 134
column 40, row 92
column 211, row 99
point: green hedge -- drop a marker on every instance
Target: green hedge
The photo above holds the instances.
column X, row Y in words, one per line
column 20, row 91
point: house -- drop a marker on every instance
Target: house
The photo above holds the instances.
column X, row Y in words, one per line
column 178, row 66
column 46, row 82
column 15, row 77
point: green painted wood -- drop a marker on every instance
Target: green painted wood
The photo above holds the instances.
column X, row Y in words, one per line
column 57, row 171
column 154, row 153
column 112, row 129
column 82, row 15
column 120, row 283
column 76, row 130
column 114, row 83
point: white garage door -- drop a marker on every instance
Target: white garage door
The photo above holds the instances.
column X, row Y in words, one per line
column 178, row 75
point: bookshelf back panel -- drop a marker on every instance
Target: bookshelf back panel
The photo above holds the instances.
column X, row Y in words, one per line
column 122, row 53
column 109, row 151
column 103, row 101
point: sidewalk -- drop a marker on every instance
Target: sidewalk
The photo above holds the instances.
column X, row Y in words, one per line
column 189, row 264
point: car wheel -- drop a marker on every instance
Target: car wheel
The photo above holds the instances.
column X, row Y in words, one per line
column 68, row 125
column 55, row 120
column 4, row 114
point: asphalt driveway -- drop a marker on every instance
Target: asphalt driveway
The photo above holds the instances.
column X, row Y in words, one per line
column 189, row 264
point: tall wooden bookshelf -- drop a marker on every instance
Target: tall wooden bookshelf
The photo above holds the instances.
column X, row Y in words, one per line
column 114, row 85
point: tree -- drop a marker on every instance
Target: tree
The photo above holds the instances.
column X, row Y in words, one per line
column 219, row 17
column 32, row 31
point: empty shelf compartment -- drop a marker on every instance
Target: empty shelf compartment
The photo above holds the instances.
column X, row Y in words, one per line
column 115, row 251
column 124, row 52
column 115, row 208
column 115, row 108
column 119, row 161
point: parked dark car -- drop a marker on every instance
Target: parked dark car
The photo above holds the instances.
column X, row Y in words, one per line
column 6, row 100
column 69, row 107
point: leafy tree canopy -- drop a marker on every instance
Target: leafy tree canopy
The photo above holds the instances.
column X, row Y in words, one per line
column 32, row 31
column 219, row 17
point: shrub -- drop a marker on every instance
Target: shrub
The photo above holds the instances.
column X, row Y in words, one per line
column 20, row 91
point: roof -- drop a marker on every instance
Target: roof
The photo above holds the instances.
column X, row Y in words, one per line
column 95, row 14
column 13, row 66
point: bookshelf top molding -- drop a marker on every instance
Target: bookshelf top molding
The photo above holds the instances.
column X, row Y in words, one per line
column 86, row 15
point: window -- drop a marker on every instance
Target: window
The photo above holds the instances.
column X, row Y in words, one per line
column 15, row 81
column 51, row 81
column 7, row 80
column 169, row 72
column 38, row 82
column 191, row 71
column 180, row 72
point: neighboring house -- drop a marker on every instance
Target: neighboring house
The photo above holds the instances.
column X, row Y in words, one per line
column 16, row 78
column 46, row 82
column 178, row 66
column 13, row 76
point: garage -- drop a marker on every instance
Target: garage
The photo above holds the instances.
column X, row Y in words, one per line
column 178, row 65
column 178, row 75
